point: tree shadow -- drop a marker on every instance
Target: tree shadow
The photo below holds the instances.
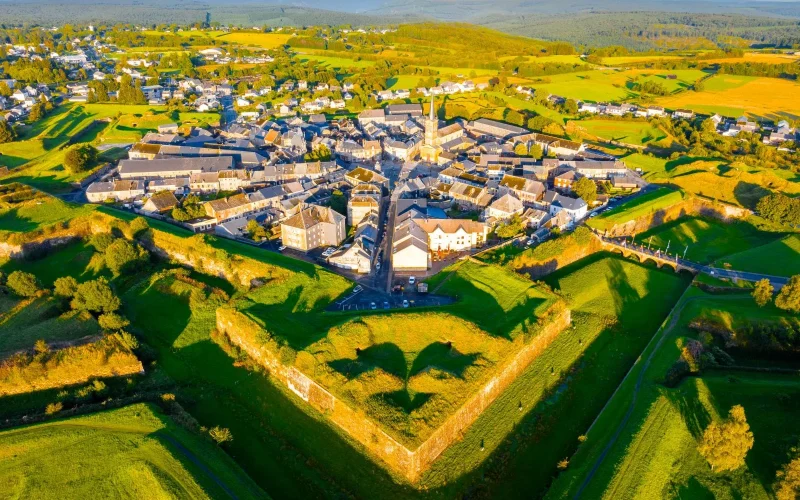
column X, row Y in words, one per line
column 686, row 400
column 444, row 356
column 385, row 356
column 747, row 194
column 403, row 400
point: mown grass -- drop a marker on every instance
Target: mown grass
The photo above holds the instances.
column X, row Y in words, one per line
column 498, row 300
column 77, row 259
column 705, row 240
column 131, row 452
column 778, row 258
column 639, row 206
column 39, row 212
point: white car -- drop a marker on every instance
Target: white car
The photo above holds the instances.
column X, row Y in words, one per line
column 282, row 248
column 405, row 303
column 412, row 280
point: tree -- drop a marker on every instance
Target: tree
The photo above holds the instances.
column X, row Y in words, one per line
column 586, row 189
column 220, row 435
column 256, row 230
column 762, row 293
column 7, row 132
column 37, row 112
column 101, row 241
column 41, row 347
column 788, row 485
column 112, row 321
column 521, row 149
column 65, row 286
column 535, row 152
column 788, row 298
column 80, row 158
column 5, row 91
column 22, row 283
column 95, row 295
column 725, row 445
column 780, row 209
column 511, row 228
column 122, row 256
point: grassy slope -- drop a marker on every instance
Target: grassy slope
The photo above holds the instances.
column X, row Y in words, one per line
column 656, row 451
column 707, row 239
column 42, row 319
column 637, row 207
column 778, row 258
column 132, row 452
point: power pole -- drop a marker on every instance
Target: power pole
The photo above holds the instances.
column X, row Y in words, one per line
column 667, row 250
column 684, row 252
column 648, row 242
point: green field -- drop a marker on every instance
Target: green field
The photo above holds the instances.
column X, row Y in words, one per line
column 131, row 452
column 639, row 133
column 704, row 239
column 494, row 298
column 640, row 206
column 778, row 258
column 37, row 158
column 33, row 214
column 656, row 451
column 77, row 259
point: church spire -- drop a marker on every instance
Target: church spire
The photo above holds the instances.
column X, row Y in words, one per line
column 431, row 115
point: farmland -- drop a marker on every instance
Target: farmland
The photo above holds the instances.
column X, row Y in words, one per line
column 125, row 453
column 639, row 133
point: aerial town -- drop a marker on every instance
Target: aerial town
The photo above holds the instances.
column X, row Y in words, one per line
column 259, row 251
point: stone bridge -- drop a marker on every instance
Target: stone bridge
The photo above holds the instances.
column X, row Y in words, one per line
column 643, row 254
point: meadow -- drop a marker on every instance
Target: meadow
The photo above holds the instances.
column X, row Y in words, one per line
column 262, row 40
column 704, row 239
column 639, row 206
column 131, row 452
column 639, row 133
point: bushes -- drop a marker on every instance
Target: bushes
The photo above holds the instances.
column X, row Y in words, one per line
column 780, row 209
column 122, row 256
column 23, row 284
column 95, row 296
column 80, row 158
column 107, row 357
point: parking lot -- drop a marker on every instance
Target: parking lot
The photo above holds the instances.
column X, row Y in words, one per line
column 369, row 299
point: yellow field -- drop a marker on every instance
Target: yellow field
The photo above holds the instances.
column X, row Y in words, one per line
column 761, row 96
column 758, row 57
column 264, row 40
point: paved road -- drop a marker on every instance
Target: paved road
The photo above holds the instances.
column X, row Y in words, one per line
column 717, row 272
column 675, row 315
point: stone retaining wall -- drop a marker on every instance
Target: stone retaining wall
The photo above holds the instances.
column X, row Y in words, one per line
column 411, row 464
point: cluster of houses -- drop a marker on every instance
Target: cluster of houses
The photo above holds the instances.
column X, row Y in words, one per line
column 258, row 171
column 18, row 105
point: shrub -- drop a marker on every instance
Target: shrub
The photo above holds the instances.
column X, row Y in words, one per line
column 788, row 299
column 112, row 321
column 220, row 435
column 23, row 284
column 101, row 241
column 53, row 408
column 96, row 296
column 80, row 158
column 65, row 286
column 122, row 256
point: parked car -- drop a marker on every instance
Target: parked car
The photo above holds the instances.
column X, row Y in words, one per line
column 405, row 303
column 373, row 306
column 282, row 248
column 358, row 288
column 412, row 280
column 385, row 305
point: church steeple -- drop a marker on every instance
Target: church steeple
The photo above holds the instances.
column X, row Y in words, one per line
column 431, row 117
